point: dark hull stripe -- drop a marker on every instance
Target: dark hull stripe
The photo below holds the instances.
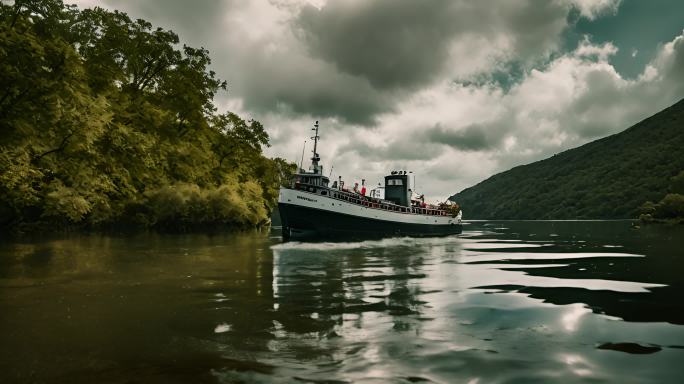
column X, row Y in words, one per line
column 303, row 222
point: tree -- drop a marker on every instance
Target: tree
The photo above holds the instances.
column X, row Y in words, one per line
column 104, row 121
column 670, row 207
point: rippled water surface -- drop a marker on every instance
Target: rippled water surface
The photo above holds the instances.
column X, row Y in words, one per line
column 506, row 302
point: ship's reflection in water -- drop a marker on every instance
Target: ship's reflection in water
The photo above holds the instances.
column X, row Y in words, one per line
column 504, row 302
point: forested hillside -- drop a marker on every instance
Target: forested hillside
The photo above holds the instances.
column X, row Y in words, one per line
column 608, row 178
column 108, row 121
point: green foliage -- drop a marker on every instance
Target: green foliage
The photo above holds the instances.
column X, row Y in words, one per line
column 648, row 208
column 677, row 183
column 104, row 120
column 187, row 205
column 605, row 179
column 670, row 207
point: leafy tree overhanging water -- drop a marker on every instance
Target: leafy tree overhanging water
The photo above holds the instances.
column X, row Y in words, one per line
column 105, row 120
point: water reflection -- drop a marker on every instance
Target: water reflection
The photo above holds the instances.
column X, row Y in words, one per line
column 504, row 302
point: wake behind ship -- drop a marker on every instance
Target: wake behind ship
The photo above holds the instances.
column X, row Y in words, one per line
column 310, row 209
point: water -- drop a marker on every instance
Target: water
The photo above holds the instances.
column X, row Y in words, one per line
column 506, row 302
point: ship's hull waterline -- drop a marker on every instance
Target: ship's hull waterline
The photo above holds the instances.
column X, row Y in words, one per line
column 310, row 216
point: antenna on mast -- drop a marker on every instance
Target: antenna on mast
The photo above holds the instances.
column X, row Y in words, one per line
column 301, row 162
column 315, row 158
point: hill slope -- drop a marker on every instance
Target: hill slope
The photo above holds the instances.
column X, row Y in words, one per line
column 606, row 179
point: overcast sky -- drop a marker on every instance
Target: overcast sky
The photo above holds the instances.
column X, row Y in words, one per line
column 454, row 91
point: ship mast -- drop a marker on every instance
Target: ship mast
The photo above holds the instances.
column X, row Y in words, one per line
column 315, row 159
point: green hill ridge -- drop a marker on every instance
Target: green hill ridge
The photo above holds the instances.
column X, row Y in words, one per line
column 609, row 178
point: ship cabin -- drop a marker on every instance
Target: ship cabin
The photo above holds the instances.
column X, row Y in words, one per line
column 397, row 188
column 314, row 182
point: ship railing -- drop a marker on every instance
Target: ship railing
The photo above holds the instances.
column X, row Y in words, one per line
column 367, row 201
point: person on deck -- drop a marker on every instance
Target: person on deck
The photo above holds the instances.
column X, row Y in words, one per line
column 363, row 187
column 356, row 188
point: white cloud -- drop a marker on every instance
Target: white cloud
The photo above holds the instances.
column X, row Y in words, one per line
column 603, row 52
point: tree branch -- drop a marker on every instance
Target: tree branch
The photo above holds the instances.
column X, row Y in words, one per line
column 159, row 67
column 61, row 147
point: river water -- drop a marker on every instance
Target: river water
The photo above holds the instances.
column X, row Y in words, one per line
column 506, row 302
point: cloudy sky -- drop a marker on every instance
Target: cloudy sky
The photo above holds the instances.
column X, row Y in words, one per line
column 452, row 90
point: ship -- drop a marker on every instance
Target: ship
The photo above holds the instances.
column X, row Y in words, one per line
column 311, row 208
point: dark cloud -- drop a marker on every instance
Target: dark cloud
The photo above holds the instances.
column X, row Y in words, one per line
column 406, row 43
column 303, row 86
column 401, row 148
column 388, row 42
column 475, row 137
column 426, row 144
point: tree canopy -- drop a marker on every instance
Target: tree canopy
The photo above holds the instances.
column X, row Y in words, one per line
column 106, row 120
